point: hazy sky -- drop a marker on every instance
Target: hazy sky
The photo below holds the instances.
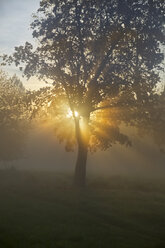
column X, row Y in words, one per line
column 15, row 19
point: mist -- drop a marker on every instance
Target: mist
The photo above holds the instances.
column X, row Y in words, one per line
column 82, row 124
column 42, row 152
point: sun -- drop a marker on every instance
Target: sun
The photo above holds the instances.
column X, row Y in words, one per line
column 76, row 113
column 70, row 114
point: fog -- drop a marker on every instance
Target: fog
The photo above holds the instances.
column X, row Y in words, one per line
column 42, row 151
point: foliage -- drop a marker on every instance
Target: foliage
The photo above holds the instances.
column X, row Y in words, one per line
column 158, row 122
column 11, row 109
column 103, row 58
column 12, row 117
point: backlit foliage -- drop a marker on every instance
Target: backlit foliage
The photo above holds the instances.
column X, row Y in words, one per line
column 103, row 57
column 12, row 117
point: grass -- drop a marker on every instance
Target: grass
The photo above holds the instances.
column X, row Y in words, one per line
column 42, row 209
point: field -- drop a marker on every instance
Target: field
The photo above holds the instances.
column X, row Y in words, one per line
column 43, row 209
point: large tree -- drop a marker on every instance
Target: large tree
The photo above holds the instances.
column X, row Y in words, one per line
column 103, row 57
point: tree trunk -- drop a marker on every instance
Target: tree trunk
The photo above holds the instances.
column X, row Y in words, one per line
column 80, row 169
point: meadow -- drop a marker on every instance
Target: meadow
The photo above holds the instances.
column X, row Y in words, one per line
column 44, row 210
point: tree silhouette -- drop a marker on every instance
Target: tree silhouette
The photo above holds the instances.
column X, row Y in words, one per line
column 103, row 57
column 12, row 113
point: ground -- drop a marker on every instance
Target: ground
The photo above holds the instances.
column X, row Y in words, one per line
column 43, row 209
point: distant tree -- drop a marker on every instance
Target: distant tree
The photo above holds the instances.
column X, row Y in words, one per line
column 157, row 123
column 103, row 57
column 12, row 113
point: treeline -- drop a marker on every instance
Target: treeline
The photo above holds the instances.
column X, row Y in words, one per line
column 12, row 117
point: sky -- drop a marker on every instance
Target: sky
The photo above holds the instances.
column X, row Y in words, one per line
column 15, row 19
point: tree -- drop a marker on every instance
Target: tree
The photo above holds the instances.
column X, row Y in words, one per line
column 12, row 113
column 157, row 122
column 103, row 57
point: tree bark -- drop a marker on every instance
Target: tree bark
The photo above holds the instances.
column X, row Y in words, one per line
column 80, row 169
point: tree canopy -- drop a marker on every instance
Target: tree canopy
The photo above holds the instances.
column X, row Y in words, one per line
column 12, row 114
column 103, row 58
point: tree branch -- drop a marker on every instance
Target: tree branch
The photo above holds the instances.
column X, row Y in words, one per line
column 107, row 107
column 105, row 59
column 101, row 67
column 78, row 13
